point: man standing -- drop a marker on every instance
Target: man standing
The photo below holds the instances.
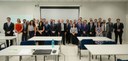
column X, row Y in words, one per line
column 63, row 29
column 25, row 30
column 8, row 28
column 118, row 29
column 91, row 28
column 47, row 29
column 109, row 28
column 104, row 26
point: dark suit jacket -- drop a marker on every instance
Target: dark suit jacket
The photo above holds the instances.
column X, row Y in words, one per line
column 59, row 27
column 52, row 27
column 8, row 28
column 25, row 29
column 92, row 29
column 68, row 28
column 84, row 28
column 110, row 27
column 121, row 26
column 47, row 28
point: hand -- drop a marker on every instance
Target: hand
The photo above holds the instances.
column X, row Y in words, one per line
column 118, row 30
column 65, row 33
column 8, row 32
column 84, row 32
column 46, row 31
column 40, row 32
column 35, row 34
column 53, row 31
column 58, row 33
column 90, row 32
column 24, row 31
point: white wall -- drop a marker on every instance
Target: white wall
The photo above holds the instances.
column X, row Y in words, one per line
column 87, row 10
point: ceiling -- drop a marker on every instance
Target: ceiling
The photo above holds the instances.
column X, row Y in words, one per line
column 73, row 0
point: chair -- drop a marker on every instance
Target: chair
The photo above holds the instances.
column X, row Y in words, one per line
column 48, row 42
column 109, row 42
column 28, row 43
column 121, row 60
column 82, row 47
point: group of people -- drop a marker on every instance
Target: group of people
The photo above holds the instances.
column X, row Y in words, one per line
column 69, row 30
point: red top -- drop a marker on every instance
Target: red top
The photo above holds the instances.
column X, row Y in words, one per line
column 18, row 27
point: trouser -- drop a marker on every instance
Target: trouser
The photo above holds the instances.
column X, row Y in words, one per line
column 31, row 34
column 63, row 37
column 68, row 37
column 24, row 37
column 74, row 39
column 19, row 38
column 118, row 34
column 104, row 33
column 7, row 41
column 109, row 35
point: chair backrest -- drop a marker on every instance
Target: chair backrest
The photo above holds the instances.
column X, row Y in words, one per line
column 86, row 42
column 49, row 42
column 121, row 60
column 109, row 42
column 28, row 43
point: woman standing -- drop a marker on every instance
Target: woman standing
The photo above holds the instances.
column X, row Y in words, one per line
column 31, row 29
column 40, row 29
column 98, row 29
column 18, row 29
column 74, row 32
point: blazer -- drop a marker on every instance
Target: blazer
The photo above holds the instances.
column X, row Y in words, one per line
column 47, row 28
column 84, row 28
column 79, row 28
column 25, row 29
column 8, row 28
column 68, row 27
column 52, row 27
column 121, row 26
column 91, row 29
column 59, row 27
column 109, row 27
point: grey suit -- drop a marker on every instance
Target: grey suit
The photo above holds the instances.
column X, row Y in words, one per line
column 109, row 29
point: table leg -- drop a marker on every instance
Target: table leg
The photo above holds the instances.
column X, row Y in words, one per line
column 100, row 58
column 55, row 58
column 7, row 58
column 44, row 58
column 115, row 57
column 9, row 42
column 58, row 57
column 20, row 58
column 89, row 56
column 35, row 58
column 16, row 41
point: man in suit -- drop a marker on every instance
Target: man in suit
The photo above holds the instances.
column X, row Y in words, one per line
column 8, row 28
column 104, row 28
column 67, row 31
column 84, row 28
column 79, row 27
column 91, row 28
column 58, row 28
column 52, row 28
column 118, row 29
column 109, row 28
column 25, row 30
column 47, row 29
column 63, row 31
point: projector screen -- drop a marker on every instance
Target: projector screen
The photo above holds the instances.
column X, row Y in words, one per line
column 60, row 13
